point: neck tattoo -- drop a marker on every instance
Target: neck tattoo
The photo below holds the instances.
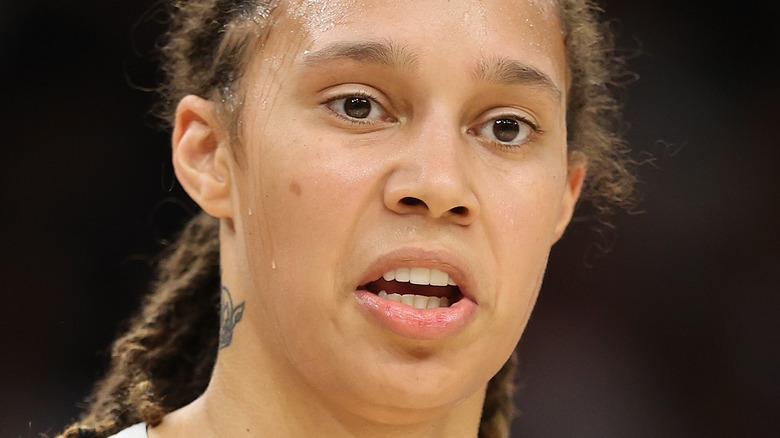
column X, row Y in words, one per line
column 229, row 316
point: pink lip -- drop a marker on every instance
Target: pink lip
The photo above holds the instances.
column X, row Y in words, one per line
column 422, row 324
column 411, row 322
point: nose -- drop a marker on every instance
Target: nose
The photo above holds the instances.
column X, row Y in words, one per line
column 432, row 177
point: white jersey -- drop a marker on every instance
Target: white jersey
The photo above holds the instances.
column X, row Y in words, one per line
column 136, row 431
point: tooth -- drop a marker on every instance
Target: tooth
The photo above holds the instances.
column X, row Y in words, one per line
column 416, row 301
column 450, row 282
column 389, row 275
column 420, row 301
column 402, row 275
column 439, row 278
column 420, row 276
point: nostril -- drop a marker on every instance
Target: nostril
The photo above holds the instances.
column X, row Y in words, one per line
column 460, row 210
column 411, row 202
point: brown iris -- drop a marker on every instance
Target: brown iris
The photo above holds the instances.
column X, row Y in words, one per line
column 357, row 107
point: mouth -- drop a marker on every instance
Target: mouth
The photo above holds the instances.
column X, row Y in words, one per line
column 421, row 288
column 422, row 294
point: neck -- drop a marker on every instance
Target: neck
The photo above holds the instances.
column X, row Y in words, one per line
column 237, row 405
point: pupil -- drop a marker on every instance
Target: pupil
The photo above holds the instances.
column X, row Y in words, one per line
column 357, row 107
column 506, row 130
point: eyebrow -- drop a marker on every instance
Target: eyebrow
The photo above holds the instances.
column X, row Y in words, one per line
column 506, row 71
column 384, row 53
column 502, row 71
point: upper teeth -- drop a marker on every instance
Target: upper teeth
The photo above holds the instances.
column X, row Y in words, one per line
column 421, row 276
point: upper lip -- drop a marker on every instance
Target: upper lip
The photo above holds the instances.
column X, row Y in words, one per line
column 420, row 257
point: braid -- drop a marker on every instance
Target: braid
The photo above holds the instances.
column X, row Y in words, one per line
column 498, row 410
column 166, row 358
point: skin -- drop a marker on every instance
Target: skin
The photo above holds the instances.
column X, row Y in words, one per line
column 315, row 204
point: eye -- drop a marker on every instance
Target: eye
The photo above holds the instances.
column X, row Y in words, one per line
column 358, row 108
column 511, row 131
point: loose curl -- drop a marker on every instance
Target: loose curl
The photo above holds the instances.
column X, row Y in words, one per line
column 165, row 359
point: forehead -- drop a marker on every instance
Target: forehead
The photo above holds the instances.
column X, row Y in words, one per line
column 460, row 31
column 319, row 16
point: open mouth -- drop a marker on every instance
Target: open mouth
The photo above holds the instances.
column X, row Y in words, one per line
column 421, row 288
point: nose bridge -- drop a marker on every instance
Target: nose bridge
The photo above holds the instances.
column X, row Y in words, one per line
column 432, row 175
column 439, row 154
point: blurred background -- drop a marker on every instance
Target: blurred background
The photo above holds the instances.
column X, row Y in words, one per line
column 674, row 333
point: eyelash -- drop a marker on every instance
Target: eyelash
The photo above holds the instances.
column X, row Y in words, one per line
column 358, row 94
column 535, row 129
column 509, row 147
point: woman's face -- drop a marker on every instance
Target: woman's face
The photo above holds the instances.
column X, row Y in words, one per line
column 400, row 138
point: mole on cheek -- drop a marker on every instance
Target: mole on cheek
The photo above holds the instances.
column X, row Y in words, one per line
column 295, row 188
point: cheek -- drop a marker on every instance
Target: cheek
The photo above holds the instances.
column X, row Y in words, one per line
column 522, row 227
column 306, row 197
column 526, row 210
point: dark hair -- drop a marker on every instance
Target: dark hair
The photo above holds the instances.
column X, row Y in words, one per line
column 165, row 359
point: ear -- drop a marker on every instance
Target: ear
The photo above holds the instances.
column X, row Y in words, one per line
column 575, row 177
column 201, row 159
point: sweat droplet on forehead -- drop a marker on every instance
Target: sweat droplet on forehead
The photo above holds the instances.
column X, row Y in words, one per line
column 526, row 23
column 317, row 16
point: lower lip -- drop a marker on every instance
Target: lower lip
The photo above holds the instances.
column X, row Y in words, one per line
column 414, row 323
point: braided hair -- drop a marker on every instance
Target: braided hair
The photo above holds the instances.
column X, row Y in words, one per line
column 165, row 359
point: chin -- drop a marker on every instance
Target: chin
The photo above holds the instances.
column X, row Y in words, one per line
column 405, row 392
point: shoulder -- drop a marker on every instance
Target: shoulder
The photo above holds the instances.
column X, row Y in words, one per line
column 136, row 431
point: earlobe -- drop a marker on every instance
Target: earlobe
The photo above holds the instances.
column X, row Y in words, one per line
column 574, row 180
column 200, row 156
